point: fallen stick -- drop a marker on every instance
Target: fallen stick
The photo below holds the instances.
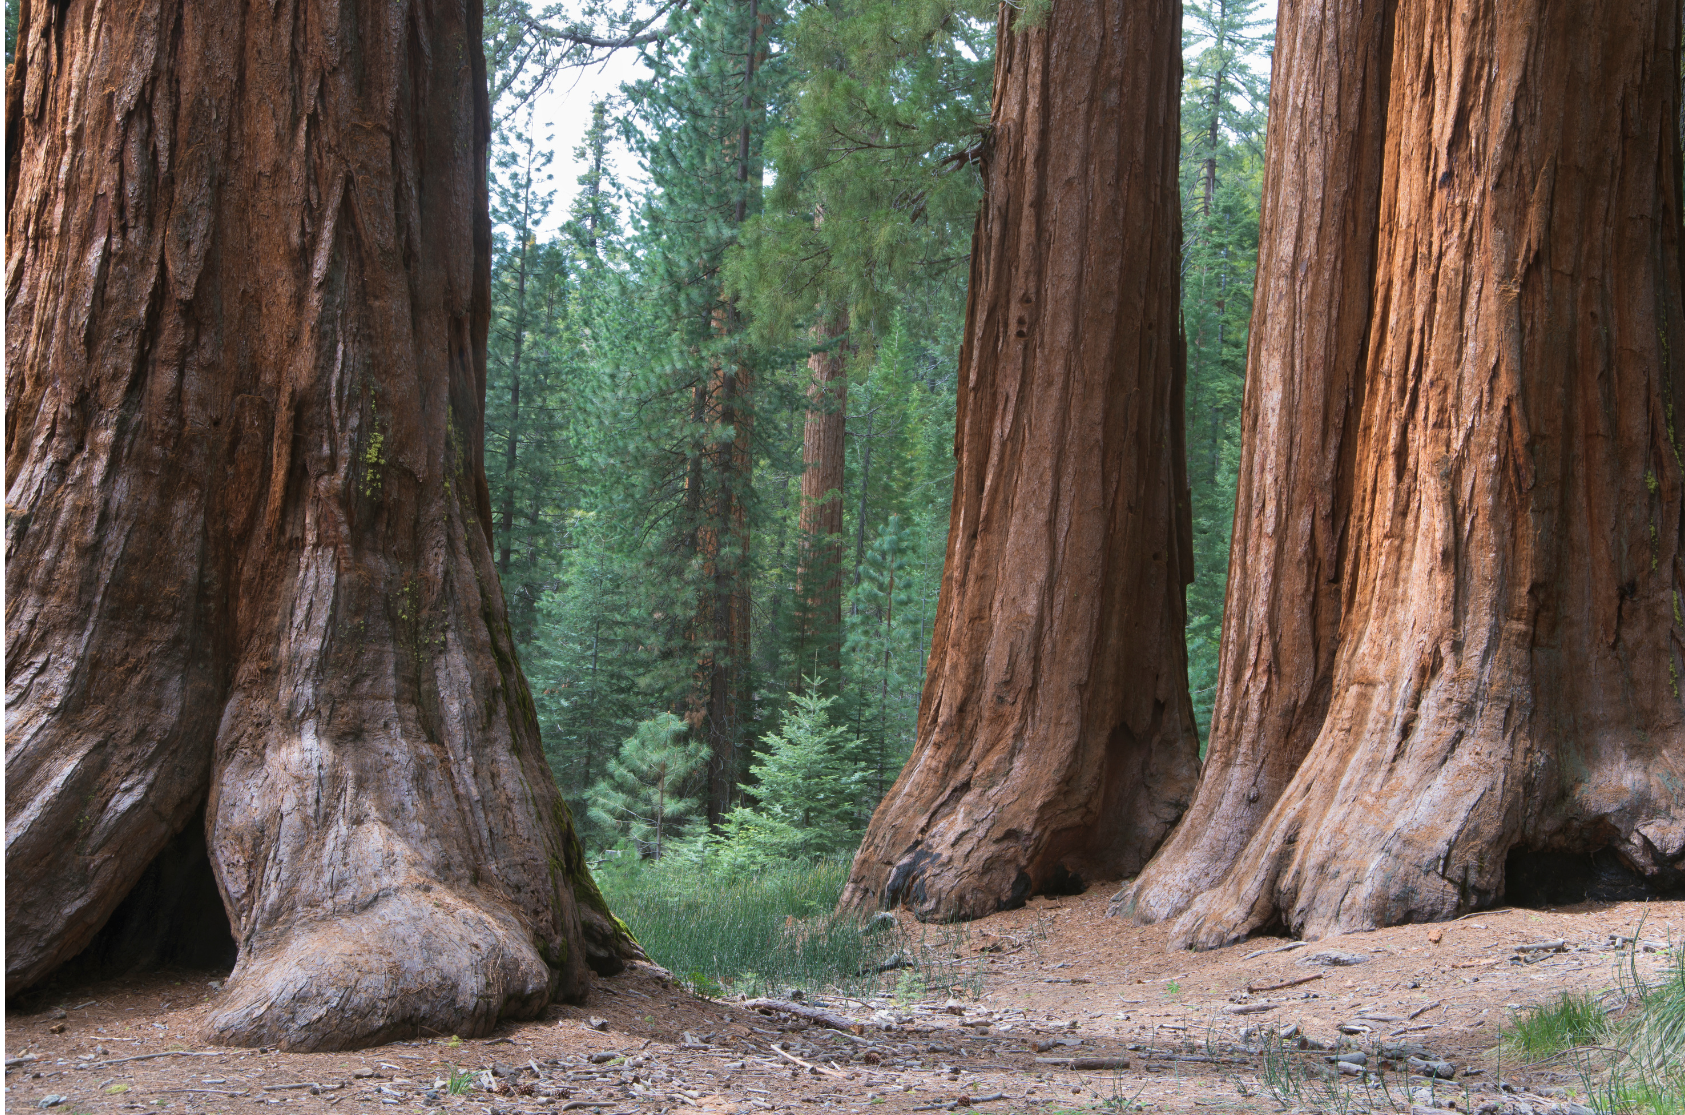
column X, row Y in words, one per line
column 1255, row 989
column 1289, row 947
column 963, row 1101
column 1409, row 1030
column 571, row 1104
column 807, row 1064
column 1543, row 946
column 151, row 1056
column 813, row 1014
column 1086, row 1064
column 201, row 1091
column 1419, row 1011
column 1250, row 1008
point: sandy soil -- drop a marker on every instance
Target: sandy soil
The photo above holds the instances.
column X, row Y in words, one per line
column 1050, row 988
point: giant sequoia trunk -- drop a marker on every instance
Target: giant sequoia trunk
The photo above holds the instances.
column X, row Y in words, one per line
column 1510, row 643
column 248, row 558
column 1056, row 736
column 1304, row 374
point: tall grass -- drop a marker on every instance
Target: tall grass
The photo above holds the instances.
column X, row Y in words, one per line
column 1570, row 1022
column 1649, row 1074
column 773, row 930
column 1632, row 1064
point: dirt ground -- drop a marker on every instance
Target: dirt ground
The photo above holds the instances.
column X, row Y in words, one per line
column 1067, row 1010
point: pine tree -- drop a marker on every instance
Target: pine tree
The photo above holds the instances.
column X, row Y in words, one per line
column 642, row 795
column 702, row 116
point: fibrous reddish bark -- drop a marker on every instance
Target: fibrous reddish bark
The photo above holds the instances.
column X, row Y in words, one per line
column 1056, row 735
column 1304, row 375
column 249, row 566
column 818, row 635
column 1510, row 641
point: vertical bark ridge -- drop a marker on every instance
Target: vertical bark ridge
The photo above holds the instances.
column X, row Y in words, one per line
column 1056, row 735
column 248, row 520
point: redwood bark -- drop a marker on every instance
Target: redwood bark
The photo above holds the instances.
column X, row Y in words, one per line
column 1056, row 738
column 818, row 636
column 1511, row 642
column 1304, row 377
column 248, row 542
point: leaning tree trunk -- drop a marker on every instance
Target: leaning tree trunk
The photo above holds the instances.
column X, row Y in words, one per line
column 818, row 635
column 1303, row 387
column 1056, row 737
column 247, row 541
column 1511, row 644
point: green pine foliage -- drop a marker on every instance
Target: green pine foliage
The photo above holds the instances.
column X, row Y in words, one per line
column 1224, row 99
column 641, row 795
column 838, row 180
column 808, row 800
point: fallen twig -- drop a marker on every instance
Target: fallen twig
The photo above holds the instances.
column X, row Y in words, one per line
column 963, row 1101
column 1419, row 1011
column 1255, row 989
column 1543, row 946
column 151, row 1056
column 813, row 1014
column 776, row 1048
column 1288, row 947
column 200, row 1091
column 1249, row 1008
column 571, row 1104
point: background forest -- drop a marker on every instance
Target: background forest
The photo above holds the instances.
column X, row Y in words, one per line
column 722, row 660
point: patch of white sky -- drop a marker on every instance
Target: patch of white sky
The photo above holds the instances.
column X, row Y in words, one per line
column 563, row 112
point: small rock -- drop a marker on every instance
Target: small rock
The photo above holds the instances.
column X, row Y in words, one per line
column 505, row 1071
column 603, row 1058
column 56, row 1028
column 1442, row 1070
column 954, row 1006
column 1348, row 1068
column 1436, row 935
column 597, row 1023
column 362, row 1074
column 1355, row 1057
column 51, row 1101
column 1333, row 958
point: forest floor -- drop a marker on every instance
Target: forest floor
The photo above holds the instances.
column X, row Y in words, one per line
column 1045, row 990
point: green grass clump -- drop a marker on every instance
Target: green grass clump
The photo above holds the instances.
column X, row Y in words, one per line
column 766, row 931
column 1568, row 1023
column 1648, row 1076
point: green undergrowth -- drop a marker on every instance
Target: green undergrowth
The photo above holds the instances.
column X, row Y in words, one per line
column 1648, row 1047
column 1570, row 1022
column 1631, row 1062
column 772, row 930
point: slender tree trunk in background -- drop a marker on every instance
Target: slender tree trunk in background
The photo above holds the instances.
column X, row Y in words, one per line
column 511, row 450
column 1507, row 678
column 724, row 677
column 249, row 561
column 865, row 494
column 1310, row 326
column 1056, row 737
column 818, row 635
